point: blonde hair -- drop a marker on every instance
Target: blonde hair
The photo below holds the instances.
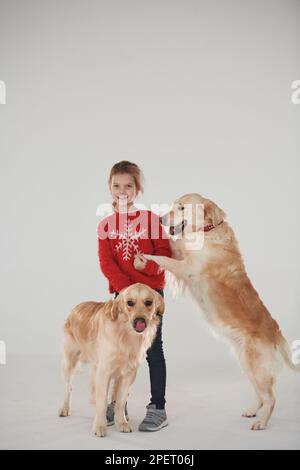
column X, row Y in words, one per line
column 125, row 167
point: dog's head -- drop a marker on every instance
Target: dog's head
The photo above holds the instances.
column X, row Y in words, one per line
column 139, row 305
column 192, row 213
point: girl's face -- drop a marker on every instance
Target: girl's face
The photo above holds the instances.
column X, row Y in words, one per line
column 123, row 189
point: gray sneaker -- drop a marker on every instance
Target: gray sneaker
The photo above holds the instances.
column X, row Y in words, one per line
column 110, row 413
column 154, row 419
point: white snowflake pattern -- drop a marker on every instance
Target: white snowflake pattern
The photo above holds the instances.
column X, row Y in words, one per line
column 128, row 240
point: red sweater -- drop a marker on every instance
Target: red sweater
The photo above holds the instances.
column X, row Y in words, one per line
column 120, row 237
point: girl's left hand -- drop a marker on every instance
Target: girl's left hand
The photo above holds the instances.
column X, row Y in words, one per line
column 139, row 261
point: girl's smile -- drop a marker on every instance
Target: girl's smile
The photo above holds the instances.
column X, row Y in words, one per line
column 123, row 190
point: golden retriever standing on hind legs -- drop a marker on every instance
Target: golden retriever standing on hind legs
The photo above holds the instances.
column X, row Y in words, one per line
column 114, row 337
column 208, row 262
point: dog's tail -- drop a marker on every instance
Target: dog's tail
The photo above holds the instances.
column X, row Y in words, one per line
column 286, row 354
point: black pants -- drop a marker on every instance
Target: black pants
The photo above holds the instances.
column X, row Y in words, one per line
column 157, row 366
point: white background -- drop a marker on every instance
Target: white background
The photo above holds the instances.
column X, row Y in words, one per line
column 198, row 93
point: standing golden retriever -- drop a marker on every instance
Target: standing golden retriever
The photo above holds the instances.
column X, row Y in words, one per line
column 208, row 262
column 114, row 337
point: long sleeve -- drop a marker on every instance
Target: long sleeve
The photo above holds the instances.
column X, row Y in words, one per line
column 110, row 268
column 161, row 248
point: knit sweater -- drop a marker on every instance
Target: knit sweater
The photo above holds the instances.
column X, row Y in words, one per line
column 120, row 237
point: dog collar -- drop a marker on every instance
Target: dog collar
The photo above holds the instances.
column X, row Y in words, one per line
column 208, row 228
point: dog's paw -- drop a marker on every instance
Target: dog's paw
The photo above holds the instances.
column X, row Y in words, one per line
column 64, row 411
column 258, row 426
column 123, row 427
column 249, row 414
column 99, row 431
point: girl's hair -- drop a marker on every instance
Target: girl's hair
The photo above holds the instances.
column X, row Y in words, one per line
column 129, row 168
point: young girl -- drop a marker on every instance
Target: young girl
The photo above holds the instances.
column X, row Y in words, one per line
column 123, row 237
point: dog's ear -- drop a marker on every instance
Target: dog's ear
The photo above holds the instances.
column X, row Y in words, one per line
column 115, row 310
column 159, row 304
column 213, row 215
column 111, row 309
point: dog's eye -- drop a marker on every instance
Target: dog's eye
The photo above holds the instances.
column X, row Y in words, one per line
column 148, row 303
column 181, row 208
column 130, row 303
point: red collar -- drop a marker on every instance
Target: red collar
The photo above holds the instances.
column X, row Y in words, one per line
column 208, row 228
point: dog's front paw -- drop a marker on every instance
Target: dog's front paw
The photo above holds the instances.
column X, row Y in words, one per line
column 258, row 426
column 123, row 427
column 149, row 257
column 64, row 411
column 99, row 430
column 249, row 414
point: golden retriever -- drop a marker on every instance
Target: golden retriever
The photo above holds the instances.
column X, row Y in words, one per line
column 114, row 337
column 209, row 263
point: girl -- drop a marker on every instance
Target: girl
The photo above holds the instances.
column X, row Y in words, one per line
column 123, row 237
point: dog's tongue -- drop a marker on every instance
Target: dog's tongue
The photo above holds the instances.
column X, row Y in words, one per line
column 140, row 325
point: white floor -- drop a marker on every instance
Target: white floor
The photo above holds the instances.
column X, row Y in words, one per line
column 204, row 405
